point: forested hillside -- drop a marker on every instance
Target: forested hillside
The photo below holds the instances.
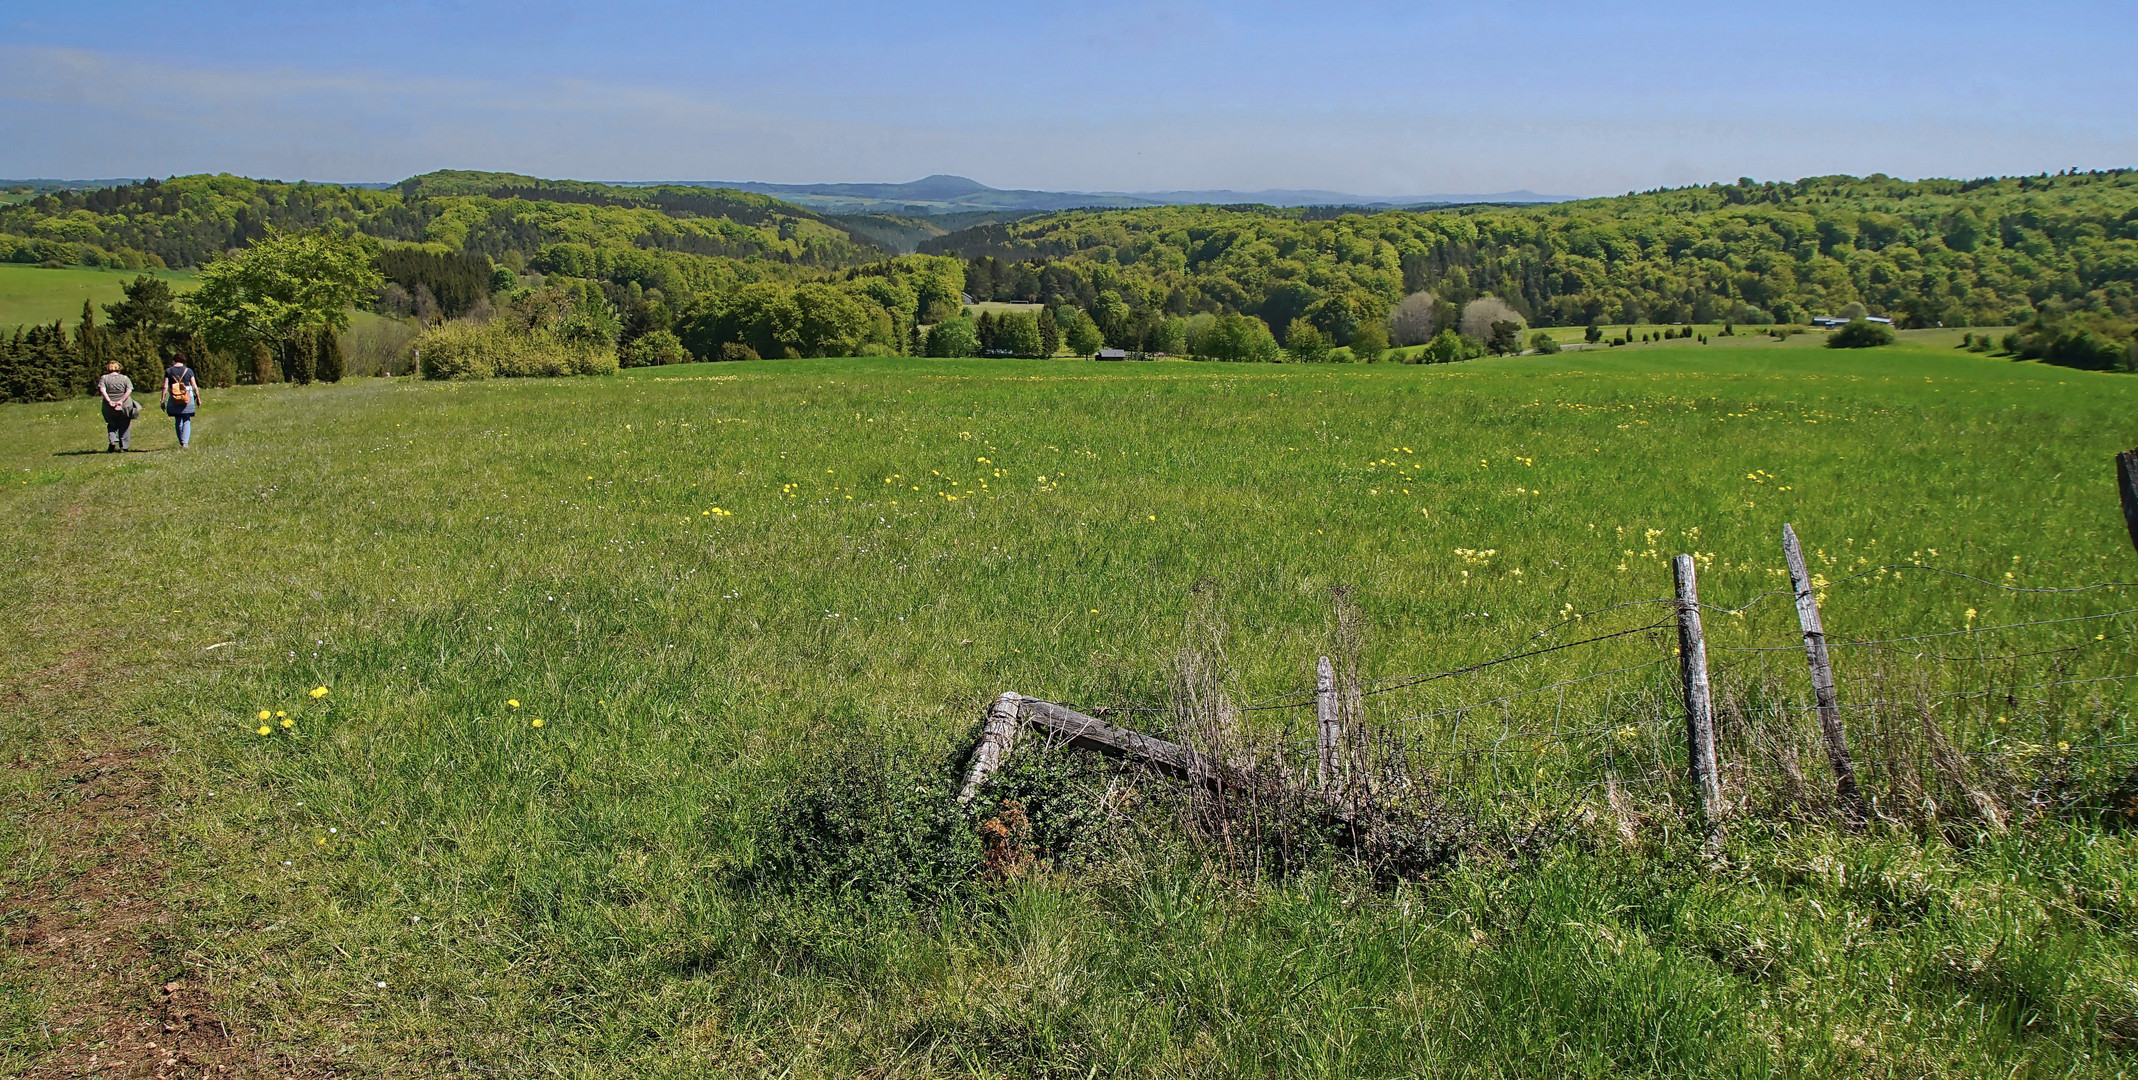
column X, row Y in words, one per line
column 1931, row 252
column 521, row 221
column 716, row 273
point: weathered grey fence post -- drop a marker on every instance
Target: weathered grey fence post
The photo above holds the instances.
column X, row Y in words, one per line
column 996, row 738
column 1699, row 702
column 1822, row 670
column 1329, row 729
column 2127, row 483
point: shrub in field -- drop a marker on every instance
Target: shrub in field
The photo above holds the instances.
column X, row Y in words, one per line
column 655, row 349
column 459, row 350
column 1542, row 342
column 497, row 349
column 1861, row 334
column 1448, row 347
column 736, row 350
column 867, row 824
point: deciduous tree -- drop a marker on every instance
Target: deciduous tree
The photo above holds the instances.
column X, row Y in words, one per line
column 283, row 290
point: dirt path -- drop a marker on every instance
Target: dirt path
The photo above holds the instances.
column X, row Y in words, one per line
column 91, row 932
column 101, row 982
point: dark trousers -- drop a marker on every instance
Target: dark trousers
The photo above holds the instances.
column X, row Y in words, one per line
column 118, row 427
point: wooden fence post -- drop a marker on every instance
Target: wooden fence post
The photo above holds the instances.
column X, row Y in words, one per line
column 1329, row 726
column 996, row 738
column 2127, row 483
column 1822, row 670
column 1699, row 702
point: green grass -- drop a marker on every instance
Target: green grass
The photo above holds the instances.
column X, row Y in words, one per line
column 567, row 899
column 30, row 295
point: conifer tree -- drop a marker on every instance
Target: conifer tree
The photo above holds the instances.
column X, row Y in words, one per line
column 1050, row 333
column 327, row 361
column 299, row 351
column 263, row 364
column 91, row 348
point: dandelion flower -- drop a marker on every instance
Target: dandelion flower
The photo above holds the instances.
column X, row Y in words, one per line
column 536, row 722
column 319, row 692
column 265, row 715
column 265, row 730
column 514, row 702
column 278, row 712
column 286, row 722
column 1094, row 611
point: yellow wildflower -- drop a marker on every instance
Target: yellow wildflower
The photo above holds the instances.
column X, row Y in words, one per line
column 265, row 730
column 536, row 722
column 319, row 692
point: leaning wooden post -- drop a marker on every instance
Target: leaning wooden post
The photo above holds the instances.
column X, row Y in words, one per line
column 996, row 738
column 1329, row 725
column 1822, row 670
column 1699, row 702
column 2127, row 483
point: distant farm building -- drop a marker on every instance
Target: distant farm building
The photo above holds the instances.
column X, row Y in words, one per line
column 1110, row 354
column 1836, row 322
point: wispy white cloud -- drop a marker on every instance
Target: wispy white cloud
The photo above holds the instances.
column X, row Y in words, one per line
column 80, row 112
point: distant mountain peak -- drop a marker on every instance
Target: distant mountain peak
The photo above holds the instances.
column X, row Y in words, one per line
column 946, row 184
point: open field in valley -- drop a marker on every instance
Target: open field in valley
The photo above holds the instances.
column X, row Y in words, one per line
column 552, row 652
column 30, row 294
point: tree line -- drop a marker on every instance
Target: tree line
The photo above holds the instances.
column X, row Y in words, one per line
column 2057, row 248
column 692, row 273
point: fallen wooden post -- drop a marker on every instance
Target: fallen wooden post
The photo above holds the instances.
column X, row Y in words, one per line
column 1091, row 733
column 996, row 738
column 1013, row 711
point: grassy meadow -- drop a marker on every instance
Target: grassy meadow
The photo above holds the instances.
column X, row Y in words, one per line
column 31, row 295
column 549, row 650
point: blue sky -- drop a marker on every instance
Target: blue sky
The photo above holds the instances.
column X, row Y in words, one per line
column 1369, row 98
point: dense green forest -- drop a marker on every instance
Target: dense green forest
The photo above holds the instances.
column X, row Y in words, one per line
column 719, row 273
column 1926, row 253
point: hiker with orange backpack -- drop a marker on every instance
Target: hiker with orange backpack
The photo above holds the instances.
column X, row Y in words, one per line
column 181, row 397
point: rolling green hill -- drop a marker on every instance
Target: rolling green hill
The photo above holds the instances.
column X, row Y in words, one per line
column 2056, row 256
column 520, row 220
